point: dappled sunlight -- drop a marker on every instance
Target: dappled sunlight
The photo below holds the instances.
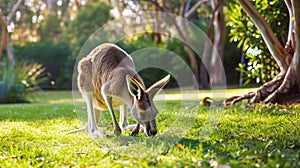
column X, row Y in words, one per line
column 199, row 95
column 60, row 101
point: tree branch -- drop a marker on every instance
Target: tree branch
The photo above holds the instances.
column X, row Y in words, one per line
column 13, row 11
column 291, row 14
column 154, row 2
column 194, row 8
column 271, row 41
column 182, row 8
column 188, row 6
column 210, row 27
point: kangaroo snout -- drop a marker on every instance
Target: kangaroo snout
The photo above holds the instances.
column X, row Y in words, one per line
column 150, row 128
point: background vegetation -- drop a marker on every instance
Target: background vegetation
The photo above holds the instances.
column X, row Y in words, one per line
column 19, row 81
column 55, row 32
column 52, row 33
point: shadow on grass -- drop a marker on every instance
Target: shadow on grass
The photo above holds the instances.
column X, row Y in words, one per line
column 141, row 145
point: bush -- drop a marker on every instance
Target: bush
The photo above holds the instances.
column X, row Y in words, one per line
column 55, row 58
column 16, row 82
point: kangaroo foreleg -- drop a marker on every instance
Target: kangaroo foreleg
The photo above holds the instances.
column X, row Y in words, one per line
column 108, row 101
column 136, row 129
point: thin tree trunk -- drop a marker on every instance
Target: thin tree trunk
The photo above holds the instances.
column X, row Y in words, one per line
column 187, row 47
column 13, row 12
column 219, row 43
column 9, row 51
column 185, row 13
column 5, row 42
column 4, row 34
column 205, row 83
column 156, row 35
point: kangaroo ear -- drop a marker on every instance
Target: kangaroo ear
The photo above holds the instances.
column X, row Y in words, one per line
column 134, row 87
column 154, row 88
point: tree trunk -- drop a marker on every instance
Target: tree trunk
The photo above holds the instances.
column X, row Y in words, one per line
column 289, row 90
column 4, row 34
column 185, row 13
column 185, row 35
column 9, row 51
column 285, row 87
column 218, row 50
column 156, row 36
column 219, row 43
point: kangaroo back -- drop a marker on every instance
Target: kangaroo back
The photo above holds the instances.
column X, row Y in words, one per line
column 106, row 62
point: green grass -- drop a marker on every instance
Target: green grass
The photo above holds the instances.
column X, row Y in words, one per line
column 33, row 135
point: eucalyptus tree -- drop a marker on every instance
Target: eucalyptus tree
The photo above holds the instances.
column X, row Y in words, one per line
column 285, row 86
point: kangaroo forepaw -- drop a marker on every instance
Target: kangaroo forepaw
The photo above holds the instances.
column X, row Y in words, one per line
column 136, row 130
column 117, row 132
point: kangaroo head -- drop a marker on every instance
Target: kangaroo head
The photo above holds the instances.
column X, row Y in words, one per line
column 143, row 108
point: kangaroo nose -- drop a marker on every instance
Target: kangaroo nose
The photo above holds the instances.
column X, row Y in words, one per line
column 152, row 132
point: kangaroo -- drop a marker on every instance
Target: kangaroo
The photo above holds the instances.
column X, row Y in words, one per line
column 107, row 79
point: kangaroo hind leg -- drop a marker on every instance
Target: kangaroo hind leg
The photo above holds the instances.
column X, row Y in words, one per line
column 93, row 116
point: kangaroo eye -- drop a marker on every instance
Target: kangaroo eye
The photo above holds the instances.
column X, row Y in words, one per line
column 142, row 106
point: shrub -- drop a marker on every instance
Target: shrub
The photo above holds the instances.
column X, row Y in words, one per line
column 54, row 56
column 17, row 81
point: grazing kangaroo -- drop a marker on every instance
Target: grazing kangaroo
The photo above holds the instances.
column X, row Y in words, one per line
column 107, row 79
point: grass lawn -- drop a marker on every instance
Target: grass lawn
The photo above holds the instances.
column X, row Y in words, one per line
column 33, row 135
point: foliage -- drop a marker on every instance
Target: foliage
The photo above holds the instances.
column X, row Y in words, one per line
column 260, row 65
column 54, row 56
column 173, row 45
column 18, row 81
column 89, row 19
column 50, row 28
column 150, row 75
column 258, row 136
